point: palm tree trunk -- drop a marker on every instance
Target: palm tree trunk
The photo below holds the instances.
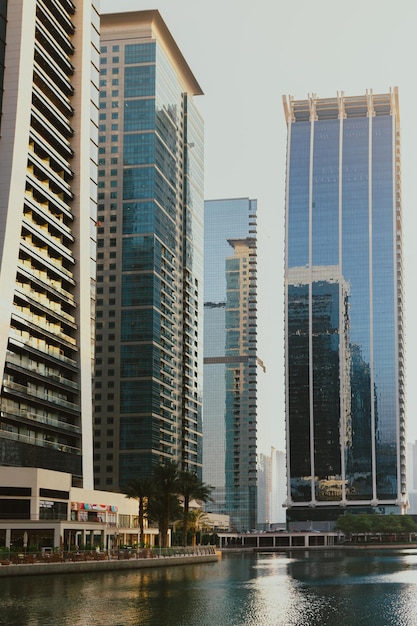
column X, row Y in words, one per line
column 185, row 521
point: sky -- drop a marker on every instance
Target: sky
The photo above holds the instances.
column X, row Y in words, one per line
column 246, row 56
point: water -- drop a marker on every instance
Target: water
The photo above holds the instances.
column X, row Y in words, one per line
column 307, row 589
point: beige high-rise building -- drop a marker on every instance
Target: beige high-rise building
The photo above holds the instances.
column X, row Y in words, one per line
column 49, row 59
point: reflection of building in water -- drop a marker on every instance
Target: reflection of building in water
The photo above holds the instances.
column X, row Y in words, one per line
column 318, row 324
column 344, row 360
column 359, row 456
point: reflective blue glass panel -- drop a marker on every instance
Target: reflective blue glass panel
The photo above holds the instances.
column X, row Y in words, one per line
column 298, row 196
column 384, row 313
column 356, row 272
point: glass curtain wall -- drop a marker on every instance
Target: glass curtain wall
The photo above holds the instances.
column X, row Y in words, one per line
column 343, row 314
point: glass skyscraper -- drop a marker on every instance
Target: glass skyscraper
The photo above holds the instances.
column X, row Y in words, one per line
column 230, row 359
column 344, row 327
column 149, row 359
column 49, row 55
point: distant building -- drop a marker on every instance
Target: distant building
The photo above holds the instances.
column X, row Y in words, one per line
column 343, row 313
column 271, row 489
column 49, row 54
column 149, row 359
column 279, row 486
column 230, row 359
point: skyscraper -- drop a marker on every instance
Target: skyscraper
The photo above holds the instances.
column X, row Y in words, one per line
column 344, row 328
column 149, row 359
column 49, row 53
column 230, row 359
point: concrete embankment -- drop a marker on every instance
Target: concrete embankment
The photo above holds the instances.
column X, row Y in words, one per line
column 102, row 566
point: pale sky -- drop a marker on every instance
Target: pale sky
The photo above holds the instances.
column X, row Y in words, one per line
column 246, row 55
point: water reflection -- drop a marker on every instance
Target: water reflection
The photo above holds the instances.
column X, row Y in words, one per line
column 310, row 589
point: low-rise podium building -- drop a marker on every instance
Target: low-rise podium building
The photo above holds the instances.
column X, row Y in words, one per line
column 40, row 508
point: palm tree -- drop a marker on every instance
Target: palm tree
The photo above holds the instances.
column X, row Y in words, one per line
column 141, row 489
column 197, row 519
column 190, row 487
column 157, row 513
column 165, row 480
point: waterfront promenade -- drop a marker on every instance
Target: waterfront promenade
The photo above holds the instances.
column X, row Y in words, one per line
column 92, row 561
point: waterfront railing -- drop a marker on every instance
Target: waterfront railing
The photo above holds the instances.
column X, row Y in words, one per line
column 63, row 556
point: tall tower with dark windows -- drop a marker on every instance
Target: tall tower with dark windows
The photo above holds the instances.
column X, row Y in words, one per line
column 149, row 361
column 49, row 56
column 344, row 321
column 230, row 359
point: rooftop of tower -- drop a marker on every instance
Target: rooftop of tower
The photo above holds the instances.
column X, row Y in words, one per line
column 149, row 25
column 314, row 108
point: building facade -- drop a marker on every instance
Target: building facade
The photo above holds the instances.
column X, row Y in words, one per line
column 230, row 359
column 42, row 509
column 149, row 362
column 344, row 329
column 49, row 56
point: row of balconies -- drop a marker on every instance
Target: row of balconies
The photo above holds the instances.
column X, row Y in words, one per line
column 40, row 347
column 41, row 256
column 36, row 322
column 40, row 212
column 57, row 21
column 9, row 409
column 28, row 390
column 41, row 124
column 20, row 363
column 46, row 171
column 39, row 300
column 56, row 159
column 42, row 279
column 52, row 443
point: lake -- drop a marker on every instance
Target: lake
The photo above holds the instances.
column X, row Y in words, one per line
column 315, row 588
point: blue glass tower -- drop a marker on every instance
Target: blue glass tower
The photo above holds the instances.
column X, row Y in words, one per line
column 344, row 329
column 230, row 359
column 149, row 358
